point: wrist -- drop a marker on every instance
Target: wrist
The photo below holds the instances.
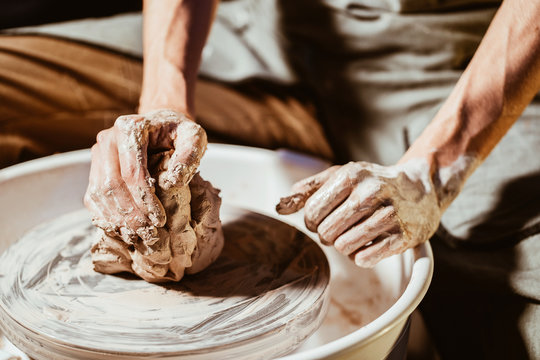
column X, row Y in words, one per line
column 164, row 102
column 445, row 178
column 166, row 87
column 448, row 180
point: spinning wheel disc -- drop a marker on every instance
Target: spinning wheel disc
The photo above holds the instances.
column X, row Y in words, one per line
column 265, row 294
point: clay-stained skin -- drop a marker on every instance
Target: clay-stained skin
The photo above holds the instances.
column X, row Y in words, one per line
column 121, row 194
column 370, row 212
column 302, row 190
column 142, row 203
column 191, row 239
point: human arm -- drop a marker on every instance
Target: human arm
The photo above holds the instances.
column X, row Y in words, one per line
column 370, row 212
column 121, row 195
column 500, row 81
column 174, row 35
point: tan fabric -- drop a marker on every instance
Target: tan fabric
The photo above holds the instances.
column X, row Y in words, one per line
column 56, row 95
column 260, row 114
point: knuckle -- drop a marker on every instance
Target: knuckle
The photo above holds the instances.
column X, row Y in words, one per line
column 352, row 168
column 343, row 171
column 198, row 129
column 190, row 129
column 347, row 176
column 121, row 121
column 110, row 185
column 173, row 116
column 126, row 123
column 372, row 188
column 103, row 135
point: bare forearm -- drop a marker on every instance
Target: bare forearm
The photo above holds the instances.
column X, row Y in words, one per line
column 369, row 212
column 174, row 35
column 498, row 84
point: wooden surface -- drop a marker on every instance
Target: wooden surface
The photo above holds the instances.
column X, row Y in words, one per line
column 265, row 294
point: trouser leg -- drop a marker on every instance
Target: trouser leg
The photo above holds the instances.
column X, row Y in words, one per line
column 56, row 95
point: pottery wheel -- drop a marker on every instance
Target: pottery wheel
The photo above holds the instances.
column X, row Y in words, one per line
column 265, row 294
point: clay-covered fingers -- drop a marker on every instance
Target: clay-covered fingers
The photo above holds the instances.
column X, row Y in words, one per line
column 190, row 145
column 329, row 196
column 107, row 197
column 361, row 203
column 381, row 224
column 385, row 246
column 91, row 199
column 173, row 130
column 302, row 190
column 368, row 211
column 132, row 136
column 121, row 193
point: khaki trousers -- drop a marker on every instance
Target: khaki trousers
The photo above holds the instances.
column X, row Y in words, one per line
column 56, row 95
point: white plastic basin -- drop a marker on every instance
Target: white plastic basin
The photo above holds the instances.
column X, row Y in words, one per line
column 368, row 309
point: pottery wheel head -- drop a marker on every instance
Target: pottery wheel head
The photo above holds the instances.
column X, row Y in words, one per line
column 266, row 293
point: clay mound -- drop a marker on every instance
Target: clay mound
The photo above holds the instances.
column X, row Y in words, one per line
column 190, row 241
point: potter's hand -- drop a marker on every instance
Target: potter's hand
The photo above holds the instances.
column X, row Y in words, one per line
column 368, row 211
column 371, row 211
column 121, row 194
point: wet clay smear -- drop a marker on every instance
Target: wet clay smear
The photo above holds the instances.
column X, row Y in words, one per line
column 264, row 294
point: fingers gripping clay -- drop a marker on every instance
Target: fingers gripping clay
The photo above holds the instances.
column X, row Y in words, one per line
column 190, row 241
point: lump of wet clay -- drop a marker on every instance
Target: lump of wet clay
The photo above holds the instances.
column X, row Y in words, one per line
column 190, row 241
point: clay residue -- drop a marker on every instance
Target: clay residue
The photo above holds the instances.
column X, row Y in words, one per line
column 369, row 211
column 191, row 239
column 449, row 180
column 266, row 293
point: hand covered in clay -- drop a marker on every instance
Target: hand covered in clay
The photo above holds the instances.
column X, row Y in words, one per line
column 368, row 211
column 121, row 194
